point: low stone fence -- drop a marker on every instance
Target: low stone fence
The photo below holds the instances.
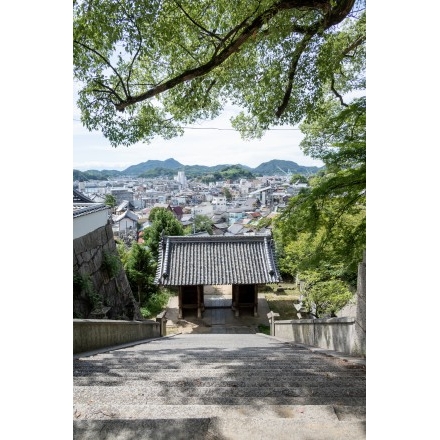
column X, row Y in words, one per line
column 338, row 334
column 93, row 334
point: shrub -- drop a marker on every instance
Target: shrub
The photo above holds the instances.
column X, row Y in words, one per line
column 327, row 297
column 83, row 284
column 155, row 304
column 111, row 264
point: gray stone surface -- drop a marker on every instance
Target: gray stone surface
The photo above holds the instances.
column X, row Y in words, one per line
column 114, row 291
column 218, row 386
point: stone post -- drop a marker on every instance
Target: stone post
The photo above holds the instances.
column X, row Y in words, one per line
column 271, row 315
column 361, row 323
column 161, row 319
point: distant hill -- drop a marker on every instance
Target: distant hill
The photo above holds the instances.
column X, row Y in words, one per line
column 95, row 175
column 277, row 166
column 155, row 168
column 137, row 170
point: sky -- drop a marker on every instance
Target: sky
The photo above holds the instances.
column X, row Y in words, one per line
column 208, row 143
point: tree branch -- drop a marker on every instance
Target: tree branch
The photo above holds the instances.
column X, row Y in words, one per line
column 105, row 61
column 333, row 16
column 332, row 87
column 212, row 34
column 292, row 70
column 353, row 45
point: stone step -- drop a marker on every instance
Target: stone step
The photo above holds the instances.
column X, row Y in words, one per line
column 194, row 362
column 173, row 367
column 218, row 428
column 324, row 413
column 95, row 399
column 218, row 387
column 185, row 381
column 185, row 375
column 140, row 393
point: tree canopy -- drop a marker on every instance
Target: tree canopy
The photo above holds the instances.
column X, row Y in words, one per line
column 145, row 68
column 163, row 222
column 324, row 227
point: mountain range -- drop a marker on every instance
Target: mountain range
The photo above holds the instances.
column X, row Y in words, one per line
column 169, row 167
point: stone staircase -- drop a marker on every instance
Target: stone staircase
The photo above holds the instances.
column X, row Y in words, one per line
column 218, row 386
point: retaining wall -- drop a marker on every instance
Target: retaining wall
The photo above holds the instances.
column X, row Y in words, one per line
column 92, row 334
column 338, row 334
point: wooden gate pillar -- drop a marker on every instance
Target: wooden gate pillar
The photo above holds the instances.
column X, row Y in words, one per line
column 180, row 315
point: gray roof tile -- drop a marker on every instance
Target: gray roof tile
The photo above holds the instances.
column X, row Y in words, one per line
column 216, row 260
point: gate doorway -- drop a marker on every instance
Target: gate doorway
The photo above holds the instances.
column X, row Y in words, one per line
column 218, row 315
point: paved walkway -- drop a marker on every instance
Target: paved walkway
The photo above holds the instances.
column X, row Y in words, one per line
column 217, row 387
column 218, row 316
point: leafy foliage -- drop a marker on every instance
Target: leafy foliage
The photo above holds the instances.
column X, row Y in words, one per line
column 140, row 268
column 141, row 75
column 111, row 263
column 82, row 284
column 227, row 193
column 163, row 222
column 326, row 297
column 110, row 200
column 202, row 223
column 155, row 304
column 324, row 227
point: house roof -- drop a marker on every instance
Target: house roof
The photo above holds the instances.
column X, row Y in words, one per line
column 216, row 260
column 178, row 210
column 80, row 197
column 236, row 228
column 126, row 214
column 125, row 204
column 82, row 205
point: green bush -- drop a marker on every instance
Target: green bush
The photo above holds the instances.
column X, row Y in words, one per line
column 83, row 284
column 155, row 304
column 265, row 329
column 111, row 263
column 327, row 297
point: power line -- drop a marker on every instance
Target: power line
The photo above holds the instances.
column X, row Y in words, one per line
column 221, row 129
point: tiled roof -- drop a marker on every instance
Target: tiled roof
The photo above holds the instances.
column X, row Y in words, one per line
column 126, row 214
column 82, row 205
column 216, row 260
column 80, row 209
column 79, row 197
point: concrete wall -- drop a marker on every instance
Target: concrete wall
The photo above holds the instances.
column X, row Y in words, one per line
column 85, row 224
column 332, row 333
column 92, row 334
column 344, row 334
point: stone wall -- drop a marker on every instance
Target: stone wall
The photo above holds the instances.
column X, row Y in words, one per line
column 344, row 334
column 96, row 292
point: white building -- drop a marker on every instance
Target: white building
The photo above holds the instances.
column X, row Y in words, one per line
column 204, row 208
column 219, row 203
column 87, row 215
column 181, row 178
column 125, row 222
